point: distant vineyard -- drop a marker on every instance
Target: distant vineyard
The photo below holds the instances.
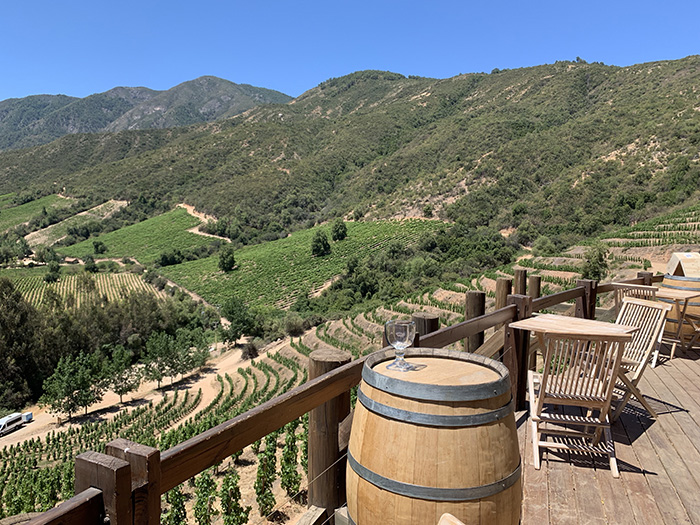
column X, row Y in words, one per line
column 55, row 232
column 146, row 240
column 275, row 273
column 14, row 215
column 111, row 285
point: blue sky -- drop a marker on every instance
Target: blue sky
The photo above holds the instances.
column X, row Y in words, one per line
column 78, row 47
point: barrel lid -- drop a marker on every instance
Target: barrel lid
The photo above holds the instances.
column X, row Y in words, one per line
column 448, row 375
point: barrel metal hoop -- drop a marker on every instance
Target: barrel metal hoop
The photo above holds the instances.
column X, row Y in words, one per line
column 679, row 278
column 433, row 420
column 434, row 493
column 428, row 392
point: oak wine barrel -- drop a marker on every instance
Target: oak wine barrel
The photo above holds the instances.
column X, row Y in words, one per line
column 681, row 282
column 440, row 439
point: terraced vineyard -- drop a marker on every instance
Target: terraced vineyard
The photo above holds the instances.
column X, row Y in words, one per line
column 146, row 240
column 39, row 472
column 679, row 227
column 275, row 273
column 30, row 283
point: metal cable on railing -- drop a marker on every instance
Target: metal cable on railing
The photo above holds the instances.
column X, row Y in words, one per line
column 308, row 484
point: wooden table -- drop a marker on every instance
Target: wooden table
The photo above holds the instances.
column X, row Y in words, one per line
column 562, row 324
column 678, row 297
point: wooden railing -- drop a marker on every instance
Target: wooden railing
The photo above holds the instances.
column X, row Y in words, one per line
column 127, row 482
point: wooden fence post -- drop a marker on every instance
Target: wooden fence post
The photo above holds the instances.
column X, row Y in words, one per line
column 534, row 286
column 504, row 287
column 113, row 477
column 516, row 350
column 520, row 281
column 325, row 485
column 145, row 478
column 475, row 306
column 585, row 306
column 425, row 322
column 646, row 276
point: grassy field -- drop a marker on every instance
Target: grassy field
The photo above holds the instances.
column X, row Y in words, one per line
column 146, row 240
column 274, row 273
column 30, row 283
column 15, row 215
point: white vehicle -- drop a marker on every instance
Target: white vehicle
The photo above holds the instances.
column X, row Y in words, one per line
column 10, row 423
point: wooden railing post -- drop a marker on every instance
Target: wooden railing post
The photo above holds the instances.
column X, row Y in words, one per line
column 113, row 477
column 585, row 305
column 426, row 322
column 504, row 287
column 475, row 306
column 325, row 485
column 520, row 281
column 534, row 286
column 646, row 276
column 145, row 478
column 516, row 349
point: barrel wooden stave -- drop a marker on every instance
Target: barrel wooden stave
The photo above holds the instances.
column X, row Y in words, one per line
column 681, row 282
column 451, row 458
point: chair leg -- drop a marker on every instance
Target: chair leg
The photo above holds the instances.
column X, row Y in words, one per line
column 621, row 405
column 535, row 444
column 673, row 350
column 611, row 452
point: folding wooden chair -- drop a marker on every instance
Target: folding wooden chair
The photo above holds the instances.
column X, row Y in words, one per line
column 579, row 371
column 639, row 291
column 650, row 318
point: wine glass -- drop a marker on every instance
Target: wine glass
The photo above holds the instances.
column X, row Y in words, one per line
column 400, row 335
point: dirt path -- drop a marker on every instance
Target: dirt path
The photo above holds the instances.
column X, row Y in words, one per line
column 204, row 218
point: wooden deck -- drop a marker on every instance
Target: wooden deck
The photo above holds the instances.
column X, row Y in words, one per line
column 659, row 461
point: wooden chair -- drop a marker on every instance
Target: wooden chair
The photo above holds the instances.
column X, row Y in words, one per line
column 650, row 318
column 639, row 291
column 579, row 371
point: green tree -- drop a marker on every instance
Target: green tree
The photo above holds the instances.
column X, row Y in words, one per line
column 320, row 245
column 227, row 261
column 76, row 382
column 233, row 512
column 238, row 315
column 339, row 230
column 596, row 265
column 90, row 265
column 155, row 355
column 99, row 247
column 123, row 377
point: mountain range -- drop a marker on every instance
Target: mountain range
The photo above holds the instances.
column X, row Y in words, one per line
column 563, row 150
column 39, row 119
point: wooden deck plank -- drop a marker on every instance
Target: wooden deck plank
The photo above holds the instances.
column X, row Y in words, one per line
column 535, row 492
column 679, row 454
column 659, row 462
column 669, row 504
column 639, row 495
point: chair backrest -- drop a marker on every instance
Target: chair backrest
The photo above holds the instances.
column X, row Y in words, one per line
column 650, row 318
column 580, row 370
column 639, row 291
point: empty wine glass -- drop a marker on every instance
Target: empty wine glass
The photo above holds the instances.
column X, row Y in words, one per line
column 400, row 335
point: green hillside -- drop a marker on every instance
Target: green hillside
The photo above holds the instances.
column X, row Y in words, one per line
column 39, row 119
column 12, row 216
column 146, row 240
column 563, row 150
column 275, row 273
